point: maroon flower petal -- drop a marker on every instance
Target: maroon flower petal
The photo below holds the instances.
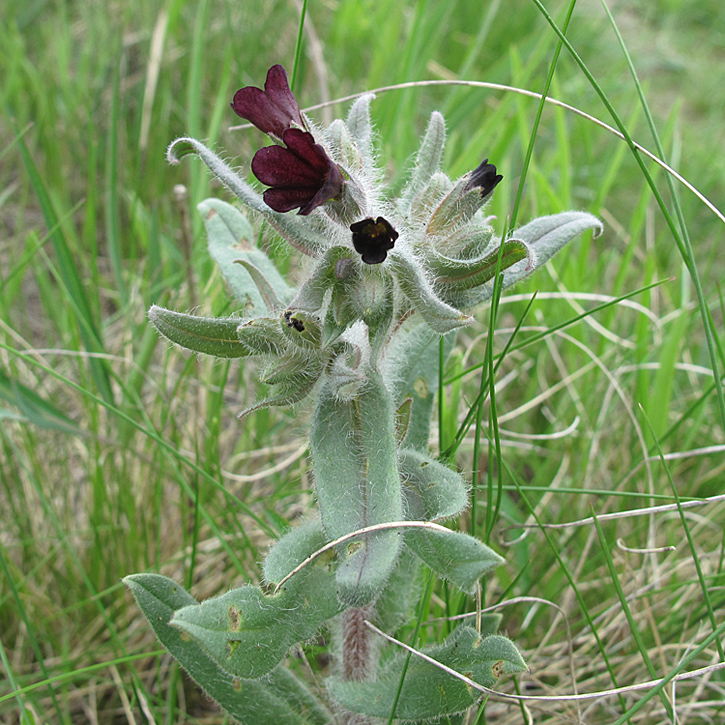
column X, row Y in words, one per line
column 283, row 200
column 272, row 110
column 301, row 175
column 329, row 190
column 278, row 166
column 303, row 145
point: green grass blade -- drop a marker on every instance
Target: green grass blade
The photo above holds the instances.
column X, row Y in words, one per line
column 71, row 279
column 633, row 627
column 683, row 244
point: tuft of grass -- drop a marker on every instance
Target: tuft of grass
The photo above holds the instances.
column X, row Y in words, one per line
column 120, row 454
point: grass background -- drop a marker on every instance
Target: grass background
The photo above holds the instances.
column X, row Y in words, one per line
column 119, row 454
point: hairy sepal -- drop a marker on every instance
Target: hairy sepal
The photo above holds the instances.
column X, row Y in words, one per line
column 261, row 336
column 357, row 483
column 337, row 267
column 456, row 208
column 426, row 200
column 279, row 699
column 208, row 335
column 291, row 378
column 428, row 692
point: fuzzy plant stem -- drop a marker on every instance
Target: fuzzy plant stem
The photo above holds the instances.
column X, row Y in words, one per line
column 357, row 655
column 357, row 651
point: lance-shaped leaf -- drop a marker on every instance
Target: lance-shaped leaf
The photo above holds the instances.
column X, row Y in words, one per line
column 230, row 239
column 247, row 632
column 429, row 692
column 298, row 696
column 546, row 236
column 267, row 292
column 439, row 315
column 279, row 699
column 490, row 623
column 300, row 232
column 428, row 159
column 396, row 605
column 210, row 335
column 361, row 128
column 468, row 273
column 454, row 556
column 432, row 491
column 357, row 483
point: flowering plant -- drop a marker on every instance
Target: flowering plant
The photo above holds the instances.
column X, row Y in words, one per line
column 389, row 277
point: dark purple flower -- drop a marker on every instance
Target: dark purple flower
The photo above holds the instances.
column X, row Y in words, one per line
column 272, row 110
column 484, row 177
column 372, row 238
column 301, row 176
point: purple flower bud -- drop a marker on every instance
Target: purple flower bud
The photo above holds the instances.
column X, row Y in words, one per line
column 300, row 176
column 372, row 238
column 272, row 110
column 484, row 177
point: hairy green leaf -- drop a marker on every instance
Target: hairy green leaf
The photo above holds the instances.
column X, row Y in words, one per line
column 292, row 549
column 279, row 699
column 413, row 363
column 230, row 239
column 209, row 335
column 357, row 483
column 302, row 235
column 247, row 632
column 432, row 491
column 468, row 273
column 429, row 692
column 438, row 314
column 454, row 556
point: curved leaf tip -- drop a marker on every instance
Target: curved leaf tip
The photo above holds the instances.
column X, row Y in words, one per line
column 179, row 148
